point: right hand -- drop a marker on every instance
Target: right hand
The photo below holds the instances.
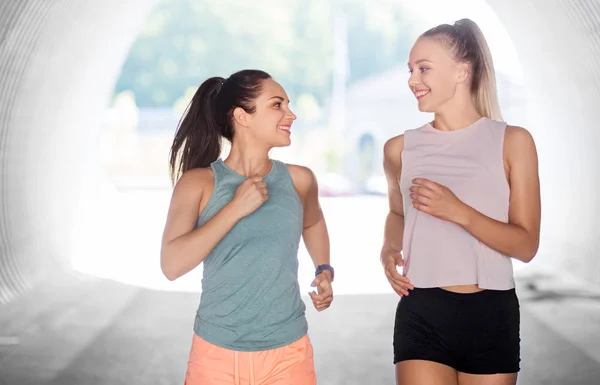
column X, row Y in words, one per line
column 250, row 195
column 390, row 259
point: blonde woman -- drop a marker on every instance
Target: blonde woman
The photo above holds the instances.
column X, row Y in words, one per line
column 464, row 200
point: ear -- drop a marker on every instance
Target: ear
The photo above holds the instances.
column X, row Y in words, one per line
column 463, row 72
column 241, row 116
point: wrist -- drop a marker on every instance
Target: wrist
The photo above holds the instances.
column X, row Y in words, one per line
column 386, row 251
column 327, row 270
column 463, row 215
column 233, row 211
column 327, row 274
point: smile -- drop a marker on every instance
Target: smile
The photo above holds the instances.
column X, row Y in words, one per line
column 420, row 94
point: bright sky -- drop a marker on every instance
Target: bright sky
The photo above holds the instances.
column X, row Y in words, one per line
column 434, row 12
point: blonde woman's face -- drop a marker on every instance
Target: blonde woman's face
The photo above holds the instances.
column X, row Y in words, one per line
column 434, row 74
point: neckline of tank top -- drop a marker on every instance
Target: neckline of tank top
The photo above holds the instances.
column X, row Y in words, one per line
column 467, row 128
column 240, row 176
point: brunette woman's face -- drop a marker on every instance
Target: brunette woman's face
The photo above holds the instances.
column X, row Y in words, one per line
column 272, row 120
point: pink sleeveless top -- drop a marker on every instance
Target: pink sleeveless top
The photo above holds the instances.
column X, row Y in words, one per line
column 469, row 162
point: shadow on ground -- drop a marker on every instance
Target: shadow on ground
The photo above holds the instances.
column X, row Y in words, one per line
column 84, row 330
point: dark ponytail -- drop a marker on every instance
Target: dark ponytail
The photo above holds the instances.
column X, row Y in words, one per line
column 209, row 118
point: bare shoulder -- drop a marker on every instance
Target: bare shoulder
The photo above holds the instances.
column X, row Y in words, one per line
column 301, row 174
column 193, row 183
column 517, row 135
column 303, row 177
column 392, row 152
column 394, row 145
column 518, row 143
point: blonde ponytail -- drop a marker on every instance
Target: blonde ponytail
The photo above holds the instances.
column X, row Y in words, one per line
column 484, row 88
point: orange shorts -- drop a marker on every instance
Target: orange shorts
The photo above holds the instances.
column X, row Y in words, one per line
column 292, row 364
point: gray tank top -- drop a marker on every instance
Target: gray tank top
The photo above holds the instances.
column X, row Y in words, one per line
column 250, row 293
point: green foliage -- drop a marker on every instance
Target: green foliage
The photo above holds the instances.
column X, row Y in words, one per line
column 187, row 41
column 378, row 36
column 333, row 160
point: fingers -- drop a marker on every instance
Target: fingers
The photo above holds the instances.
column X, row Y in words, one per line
column 399, row 287
column 321, row 301
column 399, row 280
column 422, row 207
column 427, row 183
column 400, row 290
column 323, row 285
column 322, row 298
column 319, row 279
column 392, row 256
column 324, row 288
column 261, row 186
column 420, row 193
column 399, row 283
column 392, row 273
column 419, row 200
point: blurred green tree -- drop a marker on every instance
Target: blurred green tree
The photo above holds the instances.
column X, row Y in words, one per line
column 186, row 41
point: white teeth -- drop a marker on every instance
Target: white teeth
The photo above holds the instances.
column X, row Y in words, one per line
column 421, row 93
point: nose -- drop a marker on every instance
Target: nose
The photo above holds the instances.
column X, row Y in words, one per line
column 291, row 115
column 412, row 80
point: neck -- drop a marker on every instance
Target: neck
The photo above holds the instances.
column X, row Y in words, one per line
column 248, row 160
column 456, row 116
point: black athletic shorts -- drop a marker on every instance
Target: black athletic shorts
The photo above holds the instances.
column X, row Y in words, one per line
column 474, row 333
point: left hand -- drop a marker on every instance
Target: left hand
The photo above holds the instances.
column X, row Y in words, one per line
column 436, row 199
column 324, row 296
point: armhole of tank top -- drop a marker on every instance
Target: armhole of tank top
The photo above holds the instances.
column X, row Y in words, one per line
column 289, row 181
column 406, row 134
column 503, row 130
column 202, row 214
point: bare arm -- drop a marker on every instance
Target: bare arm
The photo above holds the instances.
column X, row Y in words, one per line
column 394, row 223
column 184, row 248
column 519, row 237
column 315, row 235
